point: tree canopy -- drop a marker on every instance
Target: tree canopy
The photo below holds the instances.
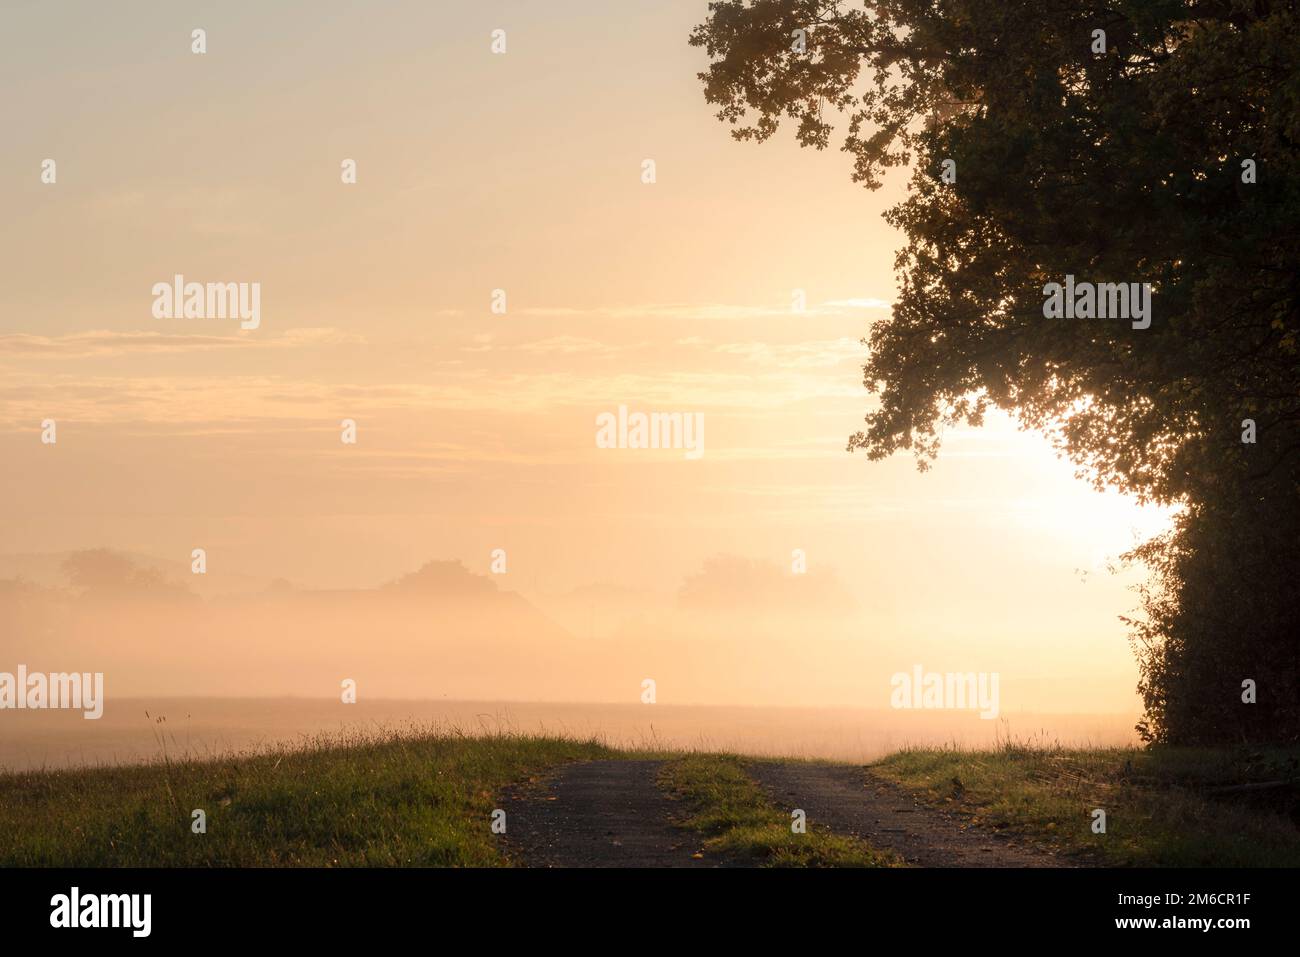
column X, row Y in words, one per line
column 1133, row 141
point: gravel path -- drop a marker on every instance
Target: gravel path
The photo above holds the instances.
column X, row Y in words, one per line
column 850, row 800
column 599, row 814
column 612, row 814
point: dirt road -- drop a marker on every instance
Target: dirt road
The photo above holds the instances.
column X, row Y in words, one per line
column 612, row 814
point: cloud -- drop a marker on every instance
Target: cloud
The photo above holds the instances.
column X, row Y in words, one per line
column 103, row 342
column 569, row 345
column 814, row 353
column 858, row 304
column 706, row 311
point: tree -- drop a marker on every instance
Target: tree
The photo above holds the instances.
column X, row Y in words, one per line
column 1159, row 151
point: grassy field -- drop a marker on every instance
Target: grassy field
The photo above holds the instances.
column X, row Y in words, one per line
column 720, row 800
column 390, row 801
column 426, row 800
column 1161, row 806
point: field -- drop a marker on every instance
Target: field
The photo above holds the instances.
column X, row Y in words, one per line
column 427, row 799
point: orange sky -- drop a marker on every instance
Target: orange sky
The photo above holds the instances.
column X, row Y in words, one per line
column 476, row 431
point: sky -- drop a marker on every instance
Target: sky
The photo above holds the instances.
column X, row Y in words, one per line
column 476, row 430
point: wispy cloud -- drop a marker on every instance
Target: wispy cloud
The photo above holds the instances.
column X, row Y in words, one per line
column 707, row 311
column 570, row 345
column 103, row 342
column 797, row 354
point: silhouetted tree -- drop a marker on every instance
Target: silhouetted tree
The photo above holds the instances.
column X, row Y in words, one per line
column 1162, row 150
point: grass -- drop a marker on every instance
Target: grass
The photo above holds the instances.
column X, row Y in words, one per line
column 723, row 803
column 1158, row 811
column 425, row 798
column 392, row 800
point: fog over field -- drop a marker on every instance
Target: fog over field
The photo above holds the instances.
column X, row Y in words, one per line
column 144, row 729
column 743, row 655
